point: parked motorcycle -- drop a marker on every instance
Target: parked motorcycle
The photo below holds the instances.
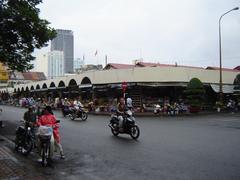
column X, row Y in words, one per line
column 25, row 138
column 129, row 125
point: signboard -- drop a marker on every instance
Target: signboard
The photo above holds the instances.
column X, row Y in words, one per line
column 3, row 73
column 124, row 86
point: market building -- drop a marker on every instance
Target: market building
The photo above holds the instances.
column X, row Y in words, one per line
column 147, row 83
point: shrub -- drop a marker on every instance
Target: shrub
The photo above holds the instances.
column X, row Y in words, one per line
column 195, row 92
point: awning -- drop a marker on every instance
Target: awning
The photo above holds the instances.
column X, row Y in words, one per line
column 119, row 85
column 50, row 88
column 157, row 84
column 61, row 87
column 227, row 89
column 85, row 86
column 100, row 86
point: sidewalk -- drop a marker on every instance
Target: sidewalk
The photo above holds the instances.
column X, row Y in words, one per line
column 151, row 114
column 14, row 167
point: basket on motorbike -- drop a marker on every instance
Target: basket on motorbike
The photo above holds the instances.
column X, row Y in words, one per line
column 45, row 133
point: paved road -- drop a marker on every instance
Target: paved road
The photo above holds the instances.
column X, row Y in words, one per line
column 198, row 147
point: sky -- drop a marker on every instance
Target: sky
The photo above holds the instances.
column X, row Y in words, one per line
column 164, row 31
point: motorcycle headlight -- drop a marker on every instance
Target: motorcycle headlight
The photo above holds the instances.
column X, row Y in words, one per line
column 29, row 128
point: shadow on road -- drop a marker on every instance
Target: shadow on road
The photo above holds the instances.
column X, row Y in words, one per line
column 124, row 139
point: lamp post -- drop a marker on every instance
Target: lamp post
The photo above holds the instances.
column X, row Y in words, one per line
column 220, row 53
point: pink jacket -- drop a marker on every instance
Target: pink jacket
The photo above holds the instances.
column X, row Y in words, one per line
column 50, row 120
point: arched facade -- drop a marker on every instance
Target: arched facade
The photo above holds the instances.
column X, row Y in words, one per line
column 72, row 83
column 52, row 85
column 44, row 86
column 61, row 84
column 103, row 83
column 86, row 80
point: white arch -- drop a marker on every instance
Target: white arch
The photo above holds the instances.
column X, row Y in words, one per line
column 143, row 74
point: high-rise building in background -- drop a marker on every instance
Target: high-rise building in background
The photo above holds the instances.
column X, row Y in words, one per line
column 78, row 64
column 64, row 42
column 55, row 64
column 41, row 64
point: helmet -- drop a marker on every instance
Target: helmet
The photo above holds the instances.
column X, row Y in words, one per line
column 49, row 109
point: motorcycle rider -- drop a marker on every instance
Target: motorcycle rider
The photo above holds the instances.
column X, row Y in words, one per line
column 65, row 106
column 120, row 112
column 30, row 117
column 129, row 103
column 77, row 105
column 48, row 119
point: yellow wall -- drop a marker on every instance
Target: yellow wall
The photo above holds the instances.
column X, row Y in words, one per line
column 3, row 73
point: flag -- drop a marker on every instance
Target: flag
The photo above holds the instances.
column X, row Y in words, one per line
column 96, row 53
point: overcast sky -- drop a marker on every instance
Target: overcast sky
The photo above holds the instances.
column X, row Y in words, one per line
column 164, row 31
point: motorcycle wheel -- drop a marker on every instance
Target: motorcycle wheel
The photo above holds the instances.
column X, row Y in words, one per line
column 45, row 154
column 134, row 132
column 114, row 132
column 27, row 147
column 84, row 116
column 71, row 116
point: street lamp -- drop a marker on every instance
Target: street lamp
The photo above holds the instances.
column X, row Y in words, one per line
column 220, row 53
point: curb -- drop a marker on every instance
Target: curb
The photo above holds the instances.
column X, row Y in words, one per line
column 6, row 139
column 149, row 114
column 164, row 115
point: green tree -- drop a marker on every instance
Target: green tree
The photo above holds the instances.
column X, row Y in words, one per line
column 195, row 93
column 21, row 31
column 236, row 88
column 236, row 84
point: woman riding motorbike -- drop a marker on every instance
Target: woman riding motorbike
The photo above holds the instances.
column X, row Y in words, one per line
column 48, row 119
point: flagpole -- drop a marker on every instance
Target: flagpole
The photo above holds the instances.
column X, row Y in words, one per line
column 96, row 53
column 106, row 60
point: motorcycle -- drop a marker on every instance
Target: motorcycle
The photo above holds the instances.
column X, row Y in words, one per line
column 129, row 125
column 76, row 112
column 25, row 138
column 45, row 134
column 65, row 110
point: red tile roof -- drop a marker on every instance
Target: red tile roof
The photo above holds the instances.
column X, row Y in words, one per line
column 147, row 64
column 150, row 64
column 224, row 69
column 118, row 66
column 237, row 68
column 34, row 76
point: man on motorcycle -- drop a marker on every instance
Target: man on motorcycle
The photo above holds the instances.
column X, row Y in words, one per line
column 48, row 119
column 30, row 115
column 120, row 112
